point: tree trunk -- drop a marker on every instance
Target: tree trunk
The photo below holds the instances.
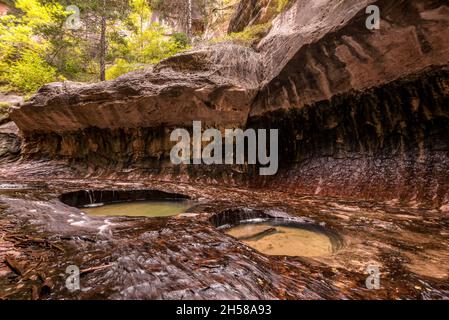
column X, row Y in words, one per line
column 103, row 48
column 189, row 19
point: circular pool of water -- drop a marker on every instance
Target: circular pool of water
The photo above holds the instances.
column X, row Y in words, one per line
column 130, row 203
column 151, row 208
column 283, row 237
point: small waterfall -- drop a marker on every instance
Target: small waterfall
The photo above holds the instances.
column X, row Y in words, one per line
column 91, row 196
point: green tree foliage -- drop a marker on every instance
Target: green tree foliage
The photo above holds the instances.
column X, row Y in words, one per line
column 251, row 35
column 23, row 46
column 30, row 72
column 116, row 36
column 146, row 43
column 120, row 67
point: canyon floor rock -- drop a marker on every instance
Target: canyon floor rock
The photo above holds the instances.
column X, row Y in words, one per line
column 363, row 117
column 187, row 257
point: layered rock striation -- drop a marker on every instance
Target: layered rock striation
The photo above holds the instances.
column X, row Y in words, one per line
column 361, row 113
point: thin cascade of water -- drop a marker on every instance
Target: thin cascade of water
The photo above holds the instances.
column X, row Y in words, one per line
column 91, row 196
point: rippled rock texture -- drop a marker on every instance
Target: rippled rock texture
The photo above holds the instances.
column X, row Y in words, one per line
column 362, row 114
column 367, row 110
column 388, row 142
column 187, row 257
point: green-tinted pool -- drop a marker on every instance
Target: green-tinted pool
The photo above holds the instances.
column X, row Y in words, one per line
column 140, row 209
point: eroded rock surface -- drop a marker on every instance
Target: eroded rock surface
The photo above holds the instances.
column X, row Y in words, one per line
column 213, row 86
column 361, row 113
column 387, row 142
column 10, row 142
column 362, row 109
column 187, row 257
column 316, row 50
column 252, row 12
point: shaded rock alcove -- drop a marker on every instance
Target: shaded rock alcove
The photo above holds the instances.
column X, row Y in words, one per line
column 346, row 99
column 87, row 197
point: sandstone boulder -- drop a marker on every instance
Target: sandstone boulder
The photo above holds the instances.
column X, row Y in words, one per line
column 215, row 85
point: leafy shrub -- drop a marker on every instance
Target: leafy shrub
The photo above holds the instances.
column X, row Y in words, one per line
column 153, row 44
column 120, row 67
column 22, row 66
column 35, row 48
column 29, row 73
column 249, row 36
column 181, row 39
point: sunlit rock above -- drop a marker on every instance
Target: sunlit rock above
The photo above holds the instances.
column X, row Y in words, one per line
column 214, row 85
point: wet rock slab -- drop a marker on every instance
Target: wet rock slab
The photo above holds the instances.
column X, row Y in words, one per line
column 187, row 257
